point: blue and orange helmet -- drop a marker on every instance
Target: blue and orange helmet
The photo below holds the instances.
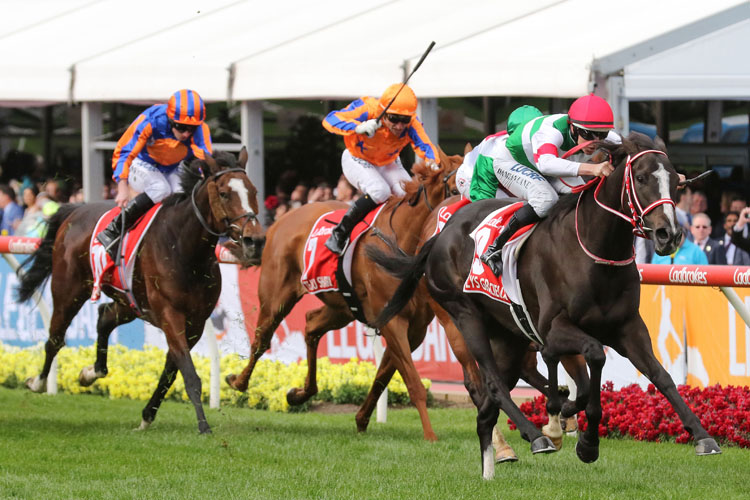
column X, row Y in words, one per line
column 186, row 107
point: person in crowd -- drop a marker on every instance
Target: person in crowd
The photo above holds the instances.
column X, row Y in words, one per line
column 682, row 208
column 12, row 213
column 32, row 214
column 371, row 160
column 735, row 256
column 532, row 153
column 738, row 231
column 345, row 191
column 298, row 197
column 698, row 203
column 77, row 195
column 738, row 203
column 701, row 231
column 688, row 253
column 55, row 189
column 148, row 155
column 321, row 192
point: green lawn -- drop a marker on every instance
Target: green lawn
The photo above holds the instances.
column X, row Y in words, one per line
column 83, row 447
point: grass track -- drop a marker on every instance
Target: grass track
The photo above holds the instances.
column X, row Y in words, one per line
column 83, row 447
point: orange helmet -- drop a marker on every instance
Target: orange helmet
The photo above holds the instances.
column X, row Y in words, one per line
column 591, row 112
column 405, row 103
column 186, row 107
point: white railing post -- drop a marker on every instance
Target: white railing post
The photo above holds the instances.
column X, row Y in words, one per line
column 214, row 388
column 377, row 348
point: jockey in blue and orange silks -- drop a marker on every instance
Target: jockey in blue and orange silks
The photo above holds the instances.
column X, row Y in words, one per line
column 148, row 155
column 371, row 160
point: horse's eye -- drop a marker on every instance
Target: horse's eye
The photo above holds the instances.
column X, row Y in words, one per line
column 224, row 196
column 640, row 178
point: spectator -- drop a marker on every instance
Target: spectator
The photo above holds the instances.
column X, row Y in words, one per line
column 77, row 195
column 734, row 255
column 737, row 204
column 109, row 190
column 683, row 207
column 345, row 191
column 701, row 231
column 738, row 238
column 321, row 192
column 54, row 189
column 299, row 195
column 699, row 203
column 32, row 215
column 688, row 253
column 12, row 213
column 281, row 209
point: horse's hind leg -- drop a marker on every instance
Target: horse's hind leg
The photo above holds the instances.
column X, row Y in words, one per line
column 553, row 429
column 111, row 315
column 318, row 322
column 636, row 346
column 385, row 372
column 64, row 309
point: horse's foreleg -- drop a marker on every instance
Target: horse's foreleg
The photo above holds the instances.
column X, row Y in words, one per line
column 553, row 429
column 111, row 315
column 165, row 382
column 64, row 309
column 274, row 307
column 318, row 322
column 575, row 365
column 396, row 337
column 382, row 378
column 487, row 414
column 636, row 346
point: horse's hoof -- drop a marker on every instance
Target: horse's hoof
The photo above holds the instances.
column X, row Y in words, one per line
column 707, row 446
column 144, row 425
column 570, row 425
column 296, row 396
column 362, row 423
column 35, row 384
column 206, row 430
column 88, row 376
column 430, row 436
column 542, row 445
column 231, row 379
column 505, row 454
column 586, row 453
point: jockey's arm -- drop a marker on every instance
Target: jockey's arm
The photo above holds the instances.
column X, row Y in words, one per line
column 344, row 121
column 129, row 146
column 201, row 142
column 484, row 181
column 422, row 144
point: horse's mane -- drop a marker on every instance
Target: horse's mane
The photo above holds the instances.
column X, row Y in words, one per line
column 195, row 171
column 630, row 145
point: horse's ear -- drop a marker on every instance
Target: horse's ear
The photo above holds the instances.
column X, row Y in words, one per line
column 468, row 148
column 659, row 143
column 242, row 160
column 213, row 167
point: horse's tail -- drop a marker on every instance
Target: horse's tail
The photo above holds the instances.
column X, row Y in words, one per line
column 37, row 268
column 409, row 269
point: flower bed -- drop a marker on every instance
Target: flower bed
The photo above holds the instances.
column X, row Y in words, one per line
column 647, row 416
column 134, row 374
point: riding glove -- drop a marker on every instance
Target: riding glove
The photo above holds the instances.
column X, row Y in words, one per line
column 368, row 128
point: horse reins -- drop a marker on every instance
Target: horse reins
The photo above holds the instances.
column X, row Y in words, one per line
column 229, row 223
column 637, row 212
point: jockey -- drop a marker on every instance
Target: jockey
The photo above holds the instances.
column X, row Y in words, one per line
column 532, row 151
column 148, row 154
column 479, row 160
column 371, row 160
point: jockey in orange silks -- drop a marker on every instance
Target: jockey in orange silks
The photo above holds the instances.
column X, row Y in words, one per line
column 371, row 160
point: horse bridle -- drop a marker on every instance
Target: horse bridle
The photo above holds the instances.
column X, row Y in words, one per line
column 229, row 223
column 637, row 212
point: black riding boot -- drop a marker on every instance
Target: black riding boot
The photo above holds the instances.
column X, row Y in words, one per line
column 493, row 256
column 133, row 211
column 336, row 243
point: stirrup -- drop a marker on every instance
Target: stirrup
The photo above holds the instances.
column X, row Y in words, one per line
column 494, row 261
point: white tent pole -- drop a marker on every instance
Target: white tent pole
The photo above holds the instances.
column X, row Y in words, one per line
column 428, row 113
column 251, row 116
column 93, row 164
column 619, row 103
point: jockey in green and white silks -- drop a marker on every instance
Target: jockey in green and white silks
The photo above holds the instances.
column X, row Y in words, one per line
column 530, row 164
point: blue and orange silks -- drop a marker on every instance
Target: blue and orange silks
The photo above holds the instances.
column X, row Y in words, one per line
column 384, row 147
column 150, row 139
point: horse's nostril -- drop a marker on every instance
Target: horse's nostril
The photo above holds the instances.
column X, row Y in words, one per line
column 661, row 235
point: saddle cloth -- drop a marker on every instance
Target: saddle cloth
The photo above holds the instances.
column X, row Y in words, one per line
column 320, row 263
column 444, row 213
column 102, row 265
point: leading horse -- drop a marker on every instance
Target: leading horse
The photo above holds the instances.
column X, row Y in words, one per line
column 579, row 283
column 176, row 278
column 279, row 288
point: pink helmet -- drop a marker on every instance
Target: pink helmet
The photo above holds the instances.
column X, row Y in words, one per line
column 591, row 112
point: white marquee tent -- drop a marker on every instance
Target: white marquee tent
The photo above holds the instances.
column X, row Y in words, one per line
column 93, row 51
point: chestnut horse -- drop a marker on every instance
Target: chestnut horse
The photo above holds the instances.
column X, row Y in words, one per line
column 279, row 288
column 176, row 278
column 577, row 307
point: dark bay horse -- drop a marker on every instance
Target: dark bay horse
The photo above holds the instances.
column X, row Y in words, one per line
column 176, row 280
column 579, row 283
column 279, row 288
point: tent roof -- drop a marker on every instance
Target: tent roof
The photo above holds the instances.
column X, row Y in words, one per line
column 110, row 50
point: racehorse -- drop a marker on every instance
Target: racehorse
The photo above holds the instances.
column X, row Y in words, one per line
column 176, row 278
column 579, row 283
column 279, row 288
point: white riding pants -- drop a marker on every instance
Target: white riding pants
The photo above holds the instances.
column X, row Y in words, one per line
column 146, row 178
column 377, row 182
column 524, row 182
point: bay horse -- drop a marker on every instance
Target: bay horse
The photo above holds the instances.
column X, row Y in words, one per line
column 176, row 278
column 577, row 306
column 279, row 288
